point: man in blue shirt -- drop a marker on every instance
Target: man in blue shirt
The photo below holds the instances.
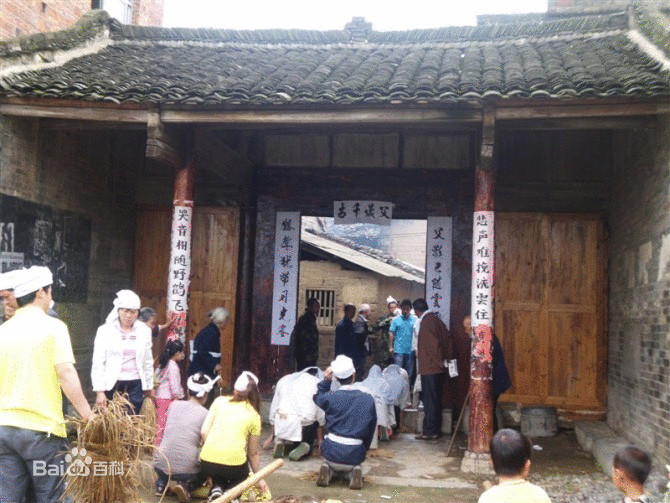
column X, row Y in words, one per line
column 345, row 338
column 400, row 337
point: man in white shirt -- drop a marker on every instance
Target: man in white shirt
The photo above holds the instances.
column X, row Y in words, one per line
column 510, row 454
column 297, row 421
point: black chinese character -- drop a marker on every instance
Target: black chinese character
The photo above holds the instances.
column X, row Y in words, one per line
column 482, row 315
column 286, row 225
column 284, row 277
column 482, row 283
column 286, row 242
column 179, row 274
column 436, row 297
column 181, row 245
column 341, row 213
column 370, row 212
column 282, row 313
column 483, row 252
column 483, row 267
column 438, row 267
column 383, row 211
column 482, row 299
column 437, row 283
column 483, row 234
column 180, row 260
column 356, row 209
column 282, row 331
column 178, row 307
column 179, row 289
column 437, row 251
column 285, row 260
column 283, row 297
column 183, row 215
column 438, row 233
column 181, row 230
column 481, row 221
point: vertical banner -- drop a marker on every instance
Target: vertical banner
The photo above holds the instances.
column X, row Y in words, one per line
column 180, row 270
column 438, row 266
column 285, row 286
column 483, row 252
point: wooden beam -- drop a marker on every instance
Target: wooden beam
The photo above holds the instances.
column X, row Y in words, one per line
column 575, row 109
column 611, row 123
column 274, row 118
column 93, row 113
column 163, row 145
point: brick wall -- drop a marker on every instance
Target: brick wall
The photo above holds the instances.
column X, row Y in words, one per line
column 91, row 173
column 25, row 17
column 639, row 338
column 148, row 12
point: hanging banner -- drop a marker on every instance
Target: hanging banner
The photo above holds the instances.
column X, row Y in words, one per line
column 438, row 266
column 483, row 251
column 285, row 286
column 362, row 212
column 180, row 270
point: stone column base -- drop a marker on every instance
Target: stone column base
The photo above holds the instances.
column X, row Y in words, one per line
column 477, row 463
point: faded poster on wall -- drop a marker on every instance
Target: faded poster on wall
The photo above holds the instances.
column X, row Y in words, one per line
column 285, row 286
column 438, row 266
column 36, row 234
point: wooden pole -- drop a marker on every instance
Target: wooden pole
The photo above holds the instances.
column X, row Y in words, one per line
column 483, row 278
column 234, row 492
column 458, row 423
column 181, row 250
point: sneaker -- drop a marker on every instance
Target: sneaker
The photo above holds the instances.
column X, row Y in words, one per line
column 215, row 493
column 160, row 489
column 299, row 452
column 279, row 450
column 356, row 478
column 182, row 492
column 324, row 475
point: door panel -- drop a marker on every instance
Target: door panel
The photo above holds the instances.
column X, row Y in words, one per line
column 550, row 308
column 213, row 268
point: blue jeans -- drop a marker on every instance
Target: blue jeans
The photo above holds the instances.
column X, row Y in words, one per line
column 25, row 456
column 133, row 390
column 405, row 361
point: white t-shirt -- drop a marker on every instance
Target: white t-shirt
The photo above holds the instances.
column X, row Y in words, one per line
column 516, row 491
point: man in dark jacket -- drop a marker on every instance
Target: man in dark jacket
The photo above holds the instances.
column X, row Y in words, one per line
column 305, row 336
column 351, row 420
column 434, row 347
column 345, row 338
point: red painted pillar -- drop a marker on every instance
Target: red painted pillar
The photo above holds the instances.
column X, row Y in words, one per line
column 181, row 250
column 483, row 278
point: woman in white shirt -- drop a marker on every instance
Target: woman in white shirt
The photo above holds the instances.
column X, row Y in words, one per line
column 122, row 359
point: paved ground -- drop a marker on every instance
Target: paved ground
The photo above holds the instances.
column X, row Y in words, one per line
column 412, row 471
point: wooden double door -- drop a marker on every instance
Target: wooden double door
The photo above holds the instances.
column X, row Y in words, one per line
column 551, row 308
column 214, row 268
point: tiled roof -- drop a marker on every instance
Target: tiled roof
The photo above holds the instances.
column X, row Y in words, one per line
column 590, row 56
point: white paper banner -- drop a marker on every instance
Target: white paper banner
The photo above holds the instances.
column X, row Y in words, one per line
column 362, row 212
column 285, row 286
column 482, row 268
column 180, row 270
column 438, row 266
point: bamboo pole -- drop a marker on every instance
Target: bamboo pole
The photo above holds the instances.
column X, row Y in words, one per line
column 234, row 492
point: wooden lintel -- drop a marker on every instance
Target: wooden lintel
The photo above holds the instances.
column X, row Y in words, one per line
column 76, row 113
column 273, row 118
column 612, row 123
column 575, row 110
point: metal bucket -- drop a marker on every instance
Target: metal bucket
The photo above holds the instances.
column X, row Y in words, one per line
column 538, row 421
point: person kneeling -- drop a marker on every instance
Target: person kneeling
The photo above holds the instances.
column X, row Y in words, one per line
column 351, row 421
column 178, row 457
column 510, row 454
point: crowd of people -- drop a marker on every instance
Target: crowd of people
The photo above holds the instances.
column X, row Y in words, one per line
column 213, row 442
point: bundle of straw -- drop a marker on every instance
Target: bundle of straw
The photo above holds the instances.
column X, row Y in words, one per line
column 114, row 443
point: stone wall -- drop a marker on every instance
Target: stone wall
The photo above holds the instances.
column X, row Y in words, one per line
column 91, row 173
column 639, row 296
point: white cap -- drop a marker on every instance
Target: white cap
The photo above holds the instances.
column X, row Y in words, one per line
column 126, row 299
column 198, row 389
column 342, row 367
column 390, row 299
column 8, row 279
column 243, row 381
column 31, row 280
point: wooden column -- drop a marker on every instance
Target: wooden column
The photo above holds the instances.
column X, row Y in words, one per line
column 483, row 277
column 171, row 148
column 245, row 283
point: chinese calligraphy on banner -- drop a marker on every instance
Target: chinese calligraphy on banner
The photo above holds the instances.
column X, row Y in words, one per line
column 285, row 287
column 438, row 266
column 363, row 212
column 180, row 270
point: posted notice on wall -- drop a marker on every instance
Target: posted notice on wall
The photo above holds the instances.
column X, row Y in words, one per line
column 362, row 212
column 285, row 286
column 438, row 266
column 482, row 265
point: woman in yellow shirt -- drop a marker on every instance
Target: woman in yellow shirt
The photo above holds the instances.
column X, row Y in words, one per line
column 231, row 434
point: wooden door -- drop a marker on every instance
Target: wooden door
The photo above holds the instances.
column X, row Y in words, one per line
column 213, row 268
column 550, row 307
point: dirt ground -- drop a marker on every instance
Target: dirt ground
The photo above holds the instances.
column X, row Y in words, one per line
column 407, row 470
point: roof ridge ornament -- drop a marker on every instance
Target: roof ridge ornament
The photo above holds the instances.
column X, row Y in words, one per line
column 359, row 30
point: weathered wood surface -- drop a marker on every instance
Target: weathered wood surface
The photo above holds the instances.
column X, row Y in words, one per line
column 550, row 307
column 214, row 268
